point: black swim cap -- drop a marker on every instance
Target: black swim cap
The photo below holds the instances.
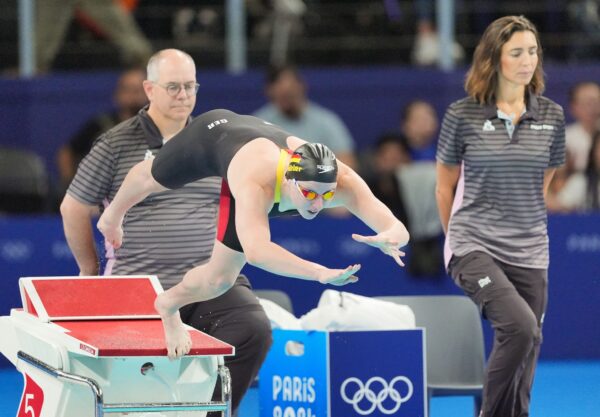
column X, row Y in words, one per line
column 312, row 162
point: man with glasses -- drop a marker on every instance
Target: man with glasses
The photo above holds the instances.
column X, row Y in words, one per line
column 173, row 89
column 169, row 232
column 262, row 177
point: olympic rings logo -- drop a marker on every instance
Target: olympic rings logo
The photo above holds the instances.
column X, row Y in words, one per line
column 376, row 400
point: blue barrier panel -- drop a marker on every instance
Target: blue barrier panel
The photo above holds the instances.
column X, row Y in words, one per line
column 36, row 246
column 294, row 377
column 570, row 325
column 344, row 374
column 30, row 247
column 378, row 373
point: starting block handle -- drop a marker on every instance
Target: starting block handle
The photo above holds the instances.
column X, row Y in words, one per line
column 225, row 378
column 100, row 408
column 98, row 396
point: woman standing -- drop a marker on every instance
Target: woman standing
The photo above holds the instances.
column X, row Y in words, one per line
column 497, row 152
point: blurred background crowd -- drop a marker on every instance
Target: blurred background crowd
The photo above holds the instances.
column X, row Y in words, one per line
column 84, row 34
column 280, row 39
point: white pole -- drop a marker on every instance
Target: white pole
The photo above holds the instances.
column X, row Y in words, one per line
column 235, row 36
column 26, row 38
column 445, row 24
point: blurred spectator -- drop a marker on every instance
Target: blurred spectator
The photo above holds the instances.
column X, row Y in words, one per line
column 585, row 23
column 390, row 154
column 24, row 186
column 129, row 98
column 582, row 190
column 290, row 108
column 108, row 18
column 419, row 125
column 559, row 180
column 187, row 20
column 417, row 182
column 584, row 101
column 426, row 48
column 287, row 15
column 278, row 20
column 408, row 189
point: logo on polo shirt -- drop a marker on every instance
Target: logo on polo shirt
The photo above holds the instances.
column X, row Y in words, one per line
column 542, row 127
column 488, row 126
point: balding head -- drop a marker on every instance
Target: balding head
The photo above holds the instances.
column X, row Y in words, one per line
column 167, row 56
column 171, row 86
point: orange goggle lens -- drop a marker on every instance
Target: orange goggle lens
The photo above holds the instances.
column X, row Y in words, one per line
column 311, row 195
column 328, row 195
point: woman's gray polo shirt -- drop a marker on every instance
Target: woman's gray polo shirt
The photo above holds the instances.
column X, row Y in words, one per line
column 499, row 205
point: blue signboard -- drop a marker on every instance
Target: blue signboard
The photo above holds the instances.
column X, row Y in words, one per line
column 293, row 378
column 377, row 373
column 344, row 374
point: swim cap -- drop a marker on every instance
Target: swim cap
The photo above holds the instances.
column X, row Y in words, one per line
column 312, row 162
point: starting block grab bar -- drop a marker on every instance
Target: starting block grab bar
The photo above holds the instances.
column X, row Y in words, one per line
column 100, row 408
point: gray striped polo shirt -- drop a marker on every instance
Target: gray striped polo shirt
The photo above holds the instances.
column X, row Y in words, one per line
column 499, row 205
column 166, row 234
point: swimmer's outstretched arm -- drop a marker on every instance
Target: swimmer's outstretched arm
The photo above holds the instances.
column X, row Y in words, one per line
column 355, row 195
column 138, row 184
column 252, row 225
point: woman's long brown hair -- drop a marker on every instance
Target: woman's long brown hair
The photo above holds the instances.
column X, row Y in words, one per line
column 482, row 78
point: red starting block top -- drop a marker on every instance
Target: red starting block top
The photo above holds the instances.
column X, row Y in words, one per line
column 89, row 298
column 135, row 338
column 107, row 316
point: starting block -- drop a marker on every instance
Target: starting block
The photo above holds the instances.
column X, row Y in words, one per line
column 90, row 346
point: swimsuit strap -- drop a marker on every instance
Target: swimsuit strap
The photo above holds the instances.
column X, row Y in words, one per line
column 280, row 168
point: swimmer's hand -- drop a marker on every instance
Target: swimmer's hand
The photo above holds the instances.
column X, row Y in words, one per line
column 384, row 243
column 338, row 276
column 112, row 230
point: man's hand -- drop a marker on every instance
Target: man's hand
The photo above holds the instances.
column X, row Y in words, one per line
column 338, row 276
column 384, row 243
column 112, row 231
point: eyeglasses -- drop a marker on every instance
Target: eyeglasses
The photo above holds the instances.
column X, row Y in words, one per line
column 311, row 195
column 173, row 89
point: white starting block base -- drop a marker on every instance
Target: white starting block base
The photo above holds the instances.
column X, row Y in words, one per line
column 77, row 360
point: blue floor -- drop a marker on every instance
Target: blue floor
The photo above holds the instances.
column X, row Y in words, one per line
column 561, row 389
